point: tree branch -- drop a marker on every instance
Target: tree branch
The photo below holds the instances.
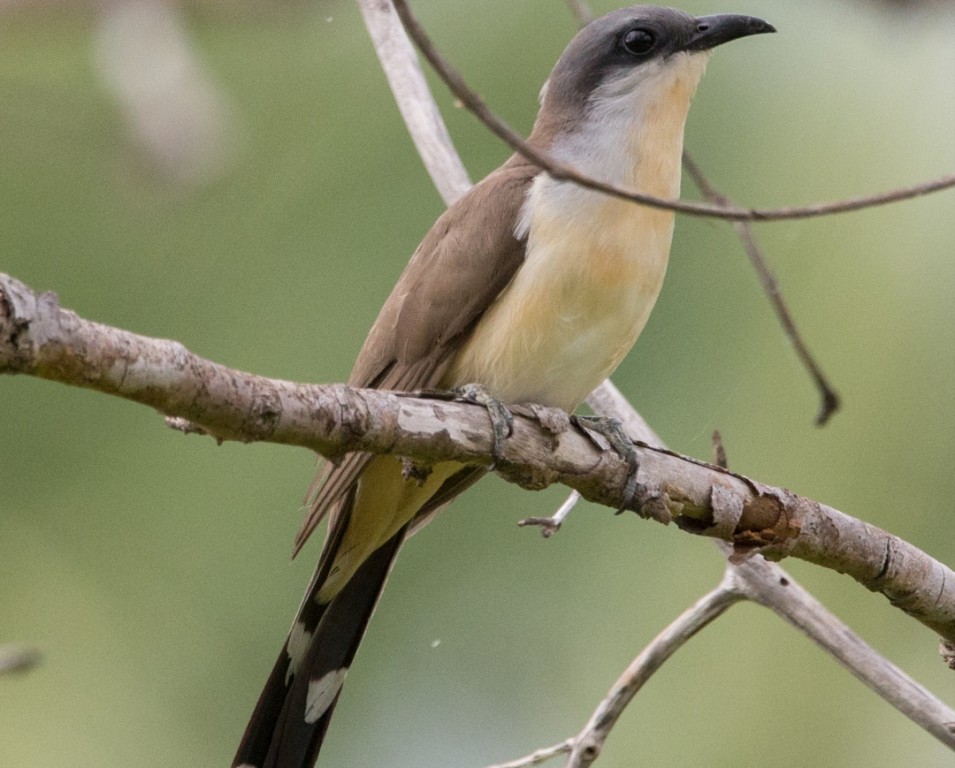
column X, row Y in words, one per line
column 744, row 230
column 581, row 11
column 589, row 742
column 759, row 581
column 766, row 584
column 39, row 338
column 769, row 585
column 413, row 97
column 538, row 756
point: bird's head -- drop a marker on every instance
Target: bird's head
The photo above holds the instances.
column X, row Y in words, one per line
column 631, row 61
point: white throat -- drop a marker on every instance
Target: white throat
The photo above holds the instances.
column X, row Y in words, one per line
column 633, row 132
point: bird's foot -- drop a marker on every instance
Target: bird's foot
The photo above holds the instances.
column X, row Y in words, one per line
column 612, row 430
column 502, row 421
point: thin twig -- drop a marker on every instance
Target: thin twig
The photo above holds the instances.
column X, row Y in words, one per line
column 719, row 450
column 744, row 229
column 550, row 525
column 828, row 396
column 771, row 586
column 590, row 740
column 563, row 172
column 538, row 756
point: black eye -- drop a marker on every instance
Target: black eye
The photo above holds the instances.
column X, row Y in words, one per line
column 638, row 41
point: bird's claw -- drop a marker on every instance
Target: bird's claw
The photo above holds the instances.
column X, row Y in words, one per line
column 612, row 430
column 502, row 420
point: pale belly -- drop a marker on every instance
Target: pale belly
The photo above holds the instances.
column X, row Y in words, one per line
column 574, row 309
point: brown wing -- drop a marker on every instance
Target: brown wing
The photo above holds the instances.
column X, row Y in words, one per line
column 460, row 267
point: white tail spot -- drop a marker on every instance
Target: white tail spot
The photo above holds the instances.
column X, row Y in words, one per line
column 322, row 692
column 296, row 647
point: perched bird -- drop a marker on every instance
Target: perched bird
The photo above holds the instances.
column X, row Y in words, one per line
column 531, row 287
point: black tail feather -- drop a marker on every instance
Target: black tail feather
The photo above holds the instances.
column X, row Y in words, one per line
column 293, row 712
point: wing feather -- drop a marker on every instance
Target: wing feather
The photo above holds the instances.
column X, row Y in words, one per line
column 461, row 266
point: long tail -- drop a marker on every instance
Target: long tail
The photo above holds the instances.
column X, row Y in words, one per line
column 293, row 712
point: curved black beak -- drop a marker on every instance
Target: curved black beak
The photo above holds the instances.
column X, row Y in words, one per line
column 712, row 31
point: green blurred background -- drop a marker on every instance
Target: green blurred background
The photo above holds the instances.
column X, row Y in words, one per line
column 151, row 570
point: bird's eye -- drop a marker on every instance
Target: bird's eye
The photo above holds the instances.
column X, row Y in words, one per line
column 638, row 41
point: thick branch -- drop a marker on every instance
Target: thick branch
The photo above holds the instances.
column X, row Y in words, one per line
column 39, row 338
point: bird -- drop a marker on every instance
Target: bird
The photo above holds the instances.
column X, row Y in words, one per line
column 533, row 288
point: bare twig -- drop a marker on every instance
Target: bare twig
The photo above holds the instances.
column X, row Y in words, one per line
column 563, row 172
column 550, row 525
column 182, row 122
column 590, row 740
column 829, row 398
column 538, row 756
column 768, row 585
column 719, row 450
